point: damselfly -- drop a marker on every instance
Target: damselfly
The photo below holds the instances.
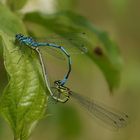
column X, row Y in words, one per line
column 61, row 93
column 30, row 42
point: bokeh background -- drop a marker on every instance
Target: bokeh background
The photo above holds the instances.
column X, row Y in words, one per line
column 121, row 19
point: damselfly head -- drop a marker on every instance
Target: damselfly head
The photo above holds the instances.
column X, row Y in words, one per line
column 18, row 36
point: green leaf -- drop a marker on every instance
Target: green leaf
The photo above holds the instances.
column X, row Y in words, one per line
column 10, row 23
column 23, row 101
column 101, row 49
column 16, row 4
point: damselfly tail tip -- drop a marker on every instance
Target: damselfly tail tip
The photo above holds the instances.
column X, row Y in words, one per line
column 122, row 121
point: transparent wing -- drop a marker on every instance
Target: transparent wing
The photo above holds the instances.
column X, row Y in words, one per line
column 71, row 41
column 112, row 118
column 53, row 52
column 54, row 68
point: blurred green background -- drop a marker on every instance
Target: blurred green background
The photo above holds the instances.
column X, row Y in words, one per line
column 121, row 19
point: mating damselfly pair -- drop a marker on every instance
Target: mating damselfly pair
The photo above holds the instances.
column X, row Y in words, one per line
column 61, row 93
